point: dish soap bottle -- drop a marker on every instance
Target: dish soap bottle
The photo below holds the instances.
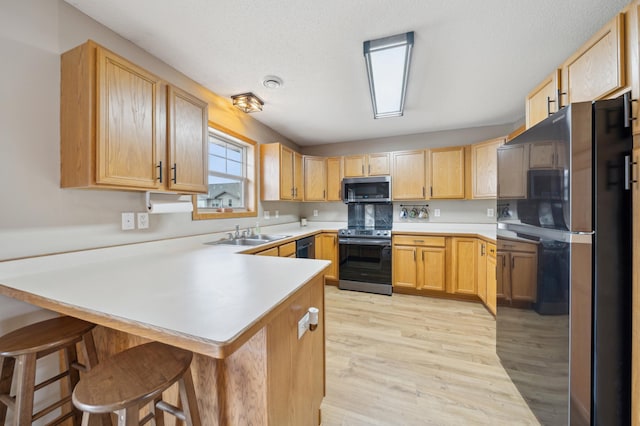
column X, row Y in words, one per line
column 257, row 228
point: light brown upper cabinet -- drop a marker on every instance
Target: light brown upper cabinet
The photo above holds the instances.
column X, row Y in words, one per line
column 334, row 179
column 597, row 69
column 544, row 100
column 512, row 180
column 187, row 137
column 113, row 128
column 409, row 175
column 484, row 168
column 280, row 173
column 447, row 172
column 367, row 165
column 315, row 178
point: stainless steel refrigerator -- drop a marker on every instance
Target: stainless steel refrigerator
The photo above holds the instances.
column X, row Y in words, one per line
column 563, row 325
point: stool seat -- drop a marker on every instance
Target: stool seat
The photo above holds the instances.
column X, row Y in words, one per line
column 19, row 352
column 127, row 381
column 44, row 336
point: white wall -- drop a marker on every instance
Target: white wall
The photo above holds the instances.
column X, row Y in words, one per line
column 37, row 216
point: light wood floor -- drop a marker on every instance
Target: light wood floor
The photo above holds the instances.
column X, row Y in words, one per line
column 408, row 360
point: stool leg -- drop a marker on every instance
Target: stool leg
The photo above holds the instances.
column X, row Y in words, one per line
column 158, row 414
column 129, row 416
column 25, row 389
column 71, row 357
column 6, row 376
column 91, row 358
column 189, row 401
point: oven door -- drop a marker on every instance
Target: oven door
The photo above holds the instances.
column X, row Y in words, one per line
column 365, row 265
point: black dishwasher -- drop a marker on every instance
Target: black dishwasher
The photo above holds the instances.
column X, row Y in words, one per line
column 306, row 248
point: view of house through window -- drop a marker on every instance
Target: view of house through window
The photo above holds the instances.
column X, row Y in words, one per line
column 227, row 173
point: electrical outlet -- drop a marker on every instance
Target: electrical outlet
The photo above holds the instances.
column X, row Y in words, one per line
column 128, row 221
column 143, row 220
column 277, row 214
column 436, row 212
column 267, row 215
column 315, row 213
column 489, row 212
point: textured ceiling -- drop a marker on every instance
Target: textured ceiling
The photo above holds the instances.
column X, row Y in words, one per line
column 473, row 61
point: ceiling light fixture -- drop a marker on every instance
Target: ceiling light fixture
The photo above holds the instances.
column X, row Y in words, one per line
column 388, row 61
column 247, row 102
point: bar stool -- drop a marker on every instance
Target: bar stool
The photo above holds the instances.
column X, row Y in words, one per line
column 21, row 348
column 126, row 382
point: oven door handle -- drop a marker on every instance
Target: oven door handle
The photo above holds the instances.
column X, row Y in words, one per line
column 365, row 241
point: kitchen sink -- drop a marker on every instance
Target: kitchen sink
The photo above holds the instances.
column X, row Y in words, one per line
column 254, row 240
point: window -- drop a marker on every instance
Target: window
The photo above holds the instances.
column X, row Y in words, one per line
column 232, row 188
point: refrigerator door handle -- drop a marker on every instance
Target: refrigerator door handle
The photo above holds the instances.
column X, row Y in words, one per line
column 628, row 172
column 628, row 109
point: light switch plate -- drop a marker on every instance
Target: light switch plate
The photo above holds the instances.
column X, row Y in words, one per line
column 303, row 325
column 436, row 212
column 489, row 212
column 128, row 221
column 267, row 215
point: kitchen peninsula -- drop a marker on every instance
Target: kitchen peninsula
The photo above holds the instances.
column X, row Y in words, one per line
column 239, row 314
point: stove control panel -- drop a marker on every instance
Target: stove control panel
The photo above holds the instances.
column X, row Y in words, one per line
column 374, row 233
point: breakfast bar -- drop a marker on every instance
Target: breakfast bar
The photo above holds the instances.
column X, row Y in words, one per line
column 239, row 314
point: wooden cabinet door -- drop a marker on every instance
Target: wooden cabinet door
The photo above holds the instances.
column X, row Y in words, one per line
column 295, row 367
column 315, row 178
column 597, row 68
column 326, row 246
column 408, row 178
column 354, row 166
column 379, row 164
column 482, row 271
column 298, row 177
column 524, row 270
column 543, row 100
column 187, row 142
column 334, row 179
column 405, row 269
column 464, row 266
column 503, row 276
column 286, row 173
column 447, row 173
column 512, row 179
column 484, row 168
column 431, row 268
column 129, row 145
column 490, row 300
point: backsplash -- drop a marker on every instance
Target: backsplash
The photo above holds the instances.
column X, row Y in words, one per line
column 451, row 211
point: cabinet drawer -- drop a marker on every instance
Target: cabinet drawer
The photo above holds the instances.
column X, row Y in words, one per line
column 418, row 240
column 509, row 245
column 287, row 250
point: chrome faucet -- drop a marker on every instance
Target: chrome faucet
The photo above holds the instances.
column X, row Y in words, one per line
column 237, row 234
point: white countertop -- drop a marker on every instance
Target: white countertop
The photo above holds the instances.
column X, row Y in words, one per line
column 180, row 287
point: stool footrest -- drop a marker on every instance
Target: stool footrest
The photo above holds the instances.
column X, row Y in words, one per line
column 50, row 408
column 60, row 419
column 51, row 380
column 171, row 409
column 80, row 367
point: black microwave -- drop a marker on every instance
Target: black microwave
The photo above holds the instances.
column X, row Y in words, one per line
column 375, row 189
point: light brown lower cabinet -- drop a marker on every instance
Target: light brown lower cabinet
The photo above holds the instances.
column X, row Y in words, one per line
column 487, row 274
column 517, row 272
column 419, row 262
column 327, row 249
column 464, row 266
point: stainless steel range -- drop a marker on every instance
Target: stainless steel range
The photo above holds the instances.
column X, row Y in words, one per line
column 365, row 249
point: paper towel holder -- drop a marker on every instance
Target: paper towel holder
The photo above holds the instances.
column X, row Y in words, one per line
column 181, row 200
